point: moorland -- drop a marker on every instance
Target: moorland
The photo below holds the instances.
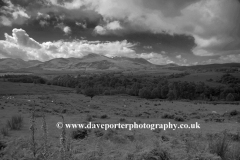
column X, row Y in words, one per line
column 32, row 103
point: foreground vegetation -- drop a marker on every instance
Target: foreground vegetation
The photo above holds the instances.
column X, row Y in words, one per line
column 97, row 144
column 29, row 131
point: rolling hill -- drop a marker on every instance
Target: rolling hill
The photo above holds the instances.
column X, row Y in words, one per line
column 89, row 62
column 96, row 62
column 13, row 64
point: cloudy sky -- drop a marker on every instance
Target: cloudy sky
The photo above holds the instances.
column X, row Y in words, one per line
column 186, row 32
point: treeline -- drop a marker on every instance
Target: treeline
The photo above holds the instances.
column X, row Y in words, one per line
column 228, row 79
column 24, row 79
column 149, row 87
column 209, row 69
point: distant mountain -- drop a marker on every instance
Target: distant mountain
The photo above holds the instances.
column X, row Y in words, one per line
column 210, row 66
column 12, row 64
column 171, row 65
column 95, row 62
column 89, row 62
column 135, row 60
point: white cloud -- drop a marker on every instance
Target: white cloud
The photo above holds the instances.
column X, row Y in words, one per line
column 109, row 28
column 83, row 25
column 11, row 14
column 224, row 59
column 20, row 45
column 82, row 48
column 178, row 56
column 43, row 15
column 100, row 30
column 43, row 23
column 156, row 58
column 147, row 47
column 115, row 25
column 20, row 13
column 21, row 38
column 67, row 30
column 5, row 21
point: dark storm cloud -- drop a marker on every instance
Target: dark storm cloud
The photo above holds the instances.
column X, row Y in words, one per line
column 31, row 4
column 170, row 8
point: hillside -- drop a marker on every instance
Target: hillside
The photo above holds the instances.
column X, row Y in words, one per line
column 89, row 62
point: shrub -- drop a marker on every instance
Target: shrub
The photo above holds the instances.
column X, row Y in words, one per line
column 168, row 116
column 90, row 92
column 220, row 145
column 230, row 97
column 235, row 154
column 157, row 130
column 89, row 118
column 158, row 153
column 104, row 116
column 234, row 113
column 122, row 120
column 15, row 123
column 170, row 95
column 79, row 134
column 145, row 93
column 179, row 118
column 4, row 131
column 2, row 145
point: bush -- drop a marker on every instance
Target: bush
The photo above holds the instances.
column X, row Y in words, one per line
column 230, row 97
column 234, row 113
column 104, row 116
column 15, row 123
column 90, row 92
column 235, row 154
column 179, row 118
column 79, row 134
column 168, row 116
column 220, row 145
column 158, row 153
column 170, row 95
column 89, row 118
column 145, row 93
column 4, row 131
column 2, row 145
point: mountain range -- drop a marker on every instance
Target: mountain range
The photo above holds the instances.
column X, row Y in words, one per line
column 96, row 62
column 88, row 62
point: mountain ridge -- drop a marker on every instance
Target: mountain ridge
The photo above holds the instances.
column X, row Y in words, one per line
column 89, row 62
column 96, row 62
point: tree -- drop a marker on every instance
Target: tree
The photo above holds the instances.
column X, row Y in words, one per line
column 135, row 89
column 164, row 91
column 230, row 97
column 171, row 95
column 155, row 93
column 90, row 92
column 145, row 93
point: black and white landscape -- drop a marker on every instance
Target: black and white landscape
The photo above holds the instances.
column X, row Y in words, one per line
column 119, row 62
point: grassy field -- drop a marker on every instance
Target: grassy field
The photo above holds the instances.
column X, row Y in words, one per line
column 203, row 77
column 120, row 144
column 8, row 88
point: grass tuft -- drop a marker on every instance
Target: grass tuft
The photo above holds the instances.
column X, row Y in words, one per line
column 4, row 131
column 220, row 145
column 15, row 123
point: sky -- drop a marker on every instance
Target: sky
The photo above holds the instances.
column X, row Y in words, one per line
column 185, row 32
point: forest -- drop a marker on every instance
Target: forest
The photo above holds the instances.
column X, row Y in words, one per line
column 149, row 87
